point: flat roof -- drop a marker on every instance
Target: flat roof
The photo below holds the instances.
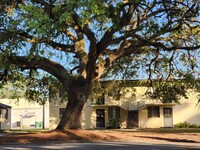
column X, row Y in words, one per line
column 4, row 106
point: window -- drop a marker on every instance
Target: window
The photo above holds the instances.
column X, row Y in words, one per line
column 4, row 114
column 61, row 112
column 18, row 124
column 113, row 113
column 115, row 94
column 153, row 111
column 167, row 112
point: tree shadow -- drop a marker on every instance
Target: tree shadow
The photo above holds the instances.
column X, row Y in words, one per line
column 86, row 135
column 168, row 139
column 43, row 137
column 73, row 136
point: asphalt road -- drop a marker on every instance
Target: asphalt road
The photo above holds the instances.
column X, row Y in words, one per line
column 99, row 146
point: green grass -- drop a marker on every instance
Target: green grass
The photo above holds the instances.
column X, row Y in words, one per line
column 171, row 130
column 157, row 130
column 152, row 130
column 25, row 131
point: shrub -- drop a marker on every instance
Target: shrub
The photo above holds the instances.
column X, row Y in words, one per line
column 113, row 124
column 185, row 125
column 193, row 126
column 182, row 125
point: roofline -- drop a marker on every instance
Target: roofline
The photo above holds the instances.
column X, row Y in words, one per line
column 141, row 82
column 4, row 106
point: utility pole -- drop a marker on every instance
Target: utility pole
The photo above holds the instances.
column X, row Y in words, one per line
column 43, row 115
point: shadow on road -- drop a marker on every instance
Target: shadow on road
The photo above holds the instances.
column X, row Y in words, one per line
column 97, row 146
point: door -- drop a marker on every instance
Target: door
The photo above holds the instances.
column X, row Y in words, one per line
column 100, row 118
column 168, row 117
column 132, row 120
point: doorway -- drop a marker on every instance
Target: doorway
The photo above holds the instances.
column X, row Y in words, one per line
column 168, row 117
column 100, row 118
column 132, row 120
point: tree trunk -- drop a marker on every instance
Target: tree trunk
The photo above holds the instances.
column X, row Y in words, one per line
column 78, row 94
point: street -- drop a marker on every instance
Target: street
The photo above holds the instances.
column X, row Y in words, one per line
column 100, row 146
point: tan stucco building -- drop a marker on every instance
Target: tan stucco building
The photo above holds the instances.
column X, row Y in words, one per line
column 132, row 111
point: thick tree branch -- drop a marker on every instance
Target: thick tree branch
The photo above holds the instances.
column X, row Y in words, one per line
column 125, row 20
column 127, row 15
column 45, row 64
column 70, row 35
column 86, row 61
column 85, row 29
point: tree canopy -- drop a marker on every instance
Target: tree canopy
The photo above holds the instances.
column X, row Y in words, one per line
column 79, row 42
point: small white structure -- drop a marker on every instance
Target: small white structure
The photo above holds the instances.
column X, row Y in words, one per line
column 22, row 114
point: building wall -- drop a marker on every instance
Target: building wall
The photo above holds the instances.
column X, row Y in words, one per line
column 154, row 122
column 123, row 118
column 25, row 118
column 25, row 114
column 188, row 110
column 54, row 116
column 88, row 117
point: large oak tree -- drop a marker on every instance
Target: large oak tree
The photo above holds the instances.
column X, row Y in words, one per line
column 83, row 41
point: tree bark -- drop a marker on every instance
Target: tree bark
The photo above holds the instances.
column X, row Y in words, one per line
column 78, row 94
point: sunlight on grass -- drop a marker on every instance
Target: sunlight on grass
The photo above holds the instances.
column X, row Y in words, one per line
column 171, row 130
column 25, row 131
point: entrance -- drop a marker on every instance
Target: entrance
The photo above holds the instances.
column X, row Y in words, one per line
column 132, row 120
column 100, row 118
column 168, row 119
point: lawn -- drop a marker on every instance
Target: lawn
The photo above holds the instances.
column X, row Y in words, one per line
column 171, row 130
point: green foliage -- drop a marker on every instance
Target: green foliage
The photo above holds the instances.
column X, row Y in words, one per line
column 193, row 126
column 182, row 125
column 115, row 89
column 38, row 89
column 12, row 91
column 113, row 124
column 37, row 21
column 124, row 68
column 31, row 85
column 126, row 40
column 169, row 91
column 11, row 82
column 185, row 125
column 173, row 89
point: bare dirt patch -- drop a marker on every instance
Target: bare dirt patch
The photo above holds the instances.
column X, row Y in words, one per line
column 100, row 136
column 141, row 136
